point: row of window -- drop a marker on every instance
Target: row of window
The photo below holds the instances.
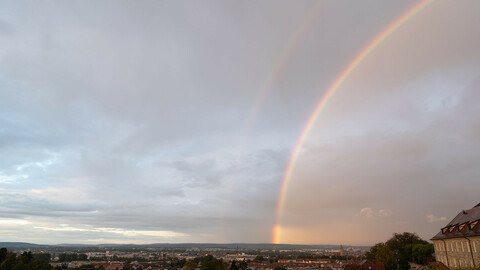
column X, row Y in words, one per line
column 457, row 245
column 454, row 262
column 460, row 263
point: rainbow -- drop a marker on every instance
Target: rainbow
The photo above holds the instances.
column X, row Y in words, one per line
column 279, row 65
column 326, row 97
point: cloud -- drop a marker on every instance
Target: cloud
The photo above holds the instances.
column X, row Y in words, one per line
column 136, row 120
column 370, row 213
column 12, row 222
column 432, row 218
column 384, row 213
column 129, row 233
column 367, row 212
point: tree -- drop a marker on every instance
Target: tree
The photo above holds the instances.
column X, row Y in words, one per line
column 23, row 262
column 3, row 254
column 62, row 257
column 385, row 255
column 401, row 246
column 371, row 254
column 210, row 263
column 259, row 259
column 242, row 265
column 26, row 257
column 189, row 266
column 46, row 257
column 233, row 265
column 176, row 263
column 421, row 253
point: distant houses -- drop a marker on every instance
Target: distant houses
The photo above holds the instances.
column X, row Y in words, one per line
column 458, row 243
column 365, row 265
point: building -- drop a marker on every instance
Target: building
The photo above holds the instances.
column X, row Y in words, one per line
column 458, row 243
column 365, row 265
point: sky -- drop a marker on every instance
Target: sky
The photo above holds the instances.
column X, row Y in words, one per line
column 174, row 121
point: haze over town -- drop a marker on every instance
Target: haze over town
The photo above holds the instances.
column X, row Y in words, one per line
column 175, row 121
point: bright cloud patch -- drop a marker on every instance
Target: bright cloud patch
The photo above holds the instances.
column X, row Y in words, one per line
column 432, row 218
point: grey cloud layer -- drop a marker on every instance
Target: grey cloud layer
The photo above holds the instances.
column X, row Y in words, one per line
column 127, row 121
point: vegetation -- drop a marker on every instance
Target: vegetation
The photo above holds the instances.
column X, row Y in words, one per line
column 26, row 261
column 332, row 257
column 46, row 257
column 400, row 250
column 189, row 266
column 88, row 267
column 176, row 263
column 69, row 257
column 241, row 265
column 210, row 263
column 259, row 259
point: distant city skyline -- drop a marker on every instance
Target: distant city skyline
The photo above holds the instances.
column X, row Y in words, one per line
column 294, row 122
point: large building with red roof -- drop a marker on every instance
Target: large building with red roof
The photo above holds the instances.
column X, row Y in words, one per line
column 458, row 243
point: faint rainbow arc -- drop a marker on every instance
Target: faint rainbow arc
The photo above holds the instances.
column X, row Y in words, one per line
column 326, row 97
column 279, row 65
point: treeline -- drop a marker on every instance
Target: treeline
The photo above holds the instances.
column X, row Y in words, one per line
column 276, row 257
column 26, row 261
column 331, row 257
column 401, row 249
column 70, row 257
column 209, row 263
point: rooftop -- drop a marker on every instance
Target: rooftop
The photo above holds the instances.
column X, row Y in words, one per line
column 463, row 225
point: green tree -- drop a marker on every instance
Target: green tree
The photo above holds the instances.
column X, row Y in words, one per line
column 62, row 257
column 385, row 255
column 26, row 257
column 242, row 265
column 401, row 244
column 23, row 262
column 421, row 252
column 233, row 265
column 3, row 254
column 189, row 266
column 259, row 259
column 210, row 263
column 9, row 262
column 371, row 254
column 46, row 257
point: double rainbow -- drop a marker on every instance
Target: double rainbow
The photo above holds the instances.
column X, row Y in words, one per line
column 326, row 97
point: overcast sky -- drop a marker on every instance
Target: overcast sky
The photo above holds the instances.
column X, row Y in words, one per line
column 139, row 121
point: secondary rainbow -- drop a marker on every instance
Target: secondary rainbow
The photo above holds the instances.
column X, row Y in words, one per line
column 326, row 97
column 279, row 65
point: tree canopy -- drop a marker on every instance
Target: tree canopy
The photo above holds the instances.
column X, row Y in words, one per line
column 26, row 261
column 401, row 249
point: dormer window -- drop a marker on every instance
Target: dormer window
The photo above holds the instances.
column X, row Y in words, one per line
column 461, row 227
column 444, row 230
column 473, row 224
column 452, row 228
